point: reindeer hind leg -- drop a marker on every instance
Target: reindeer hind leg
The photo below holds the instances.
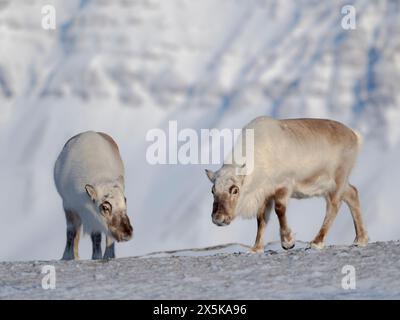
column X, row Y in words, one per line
column 333, row 202
column 350, row 197
column 73, row 234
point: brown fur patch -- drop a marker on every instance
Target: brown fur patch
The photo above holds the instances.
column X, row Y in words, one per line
column 280, row 209
column 120, row 226
column 281, row 193
column 335, row 132
column 223, row 205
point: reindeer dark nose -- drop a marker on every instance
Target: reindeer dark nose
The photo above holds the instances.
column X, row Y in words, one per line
column 127, row 229
column 129, row 234
column 126, row 237
column 221, row 219
column 217, row 222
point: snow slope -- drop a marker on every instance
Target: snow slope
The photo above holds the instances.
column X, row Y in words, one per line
column 225, row 273
column 129, row 66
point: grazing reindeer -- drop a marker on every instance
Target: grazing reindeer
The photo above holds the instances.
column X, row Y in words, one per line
column 293, row 158
column 89, row 176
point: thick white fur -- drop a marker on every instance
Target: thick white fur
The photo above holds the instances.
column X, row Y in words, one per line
column 89, row 158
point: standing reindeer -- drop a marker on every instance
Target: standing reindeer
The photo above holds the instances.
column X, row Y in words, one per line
column 89, row 176
column 293, row 158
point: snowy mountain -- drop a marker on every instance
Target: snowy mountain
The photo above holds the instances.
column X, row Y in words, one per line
column 128, row 66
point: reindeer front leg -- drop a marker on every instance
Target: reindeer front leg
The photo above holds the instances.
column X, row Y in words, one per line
column 262, row 219
column 287, row 237
column 110, row 252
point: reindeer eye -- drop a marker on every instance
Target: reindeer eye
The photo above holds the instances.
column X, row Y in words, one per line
column 212, row 190
column 233, row 190
column 106, row 207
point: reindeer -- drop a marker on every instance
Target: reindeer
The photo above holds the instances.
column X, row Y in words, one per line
column 89, row 176
column 293, row 158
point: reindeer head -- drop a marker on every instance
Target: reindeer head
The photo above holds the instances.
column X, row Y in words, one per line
column 110, row 204
column 226, row 191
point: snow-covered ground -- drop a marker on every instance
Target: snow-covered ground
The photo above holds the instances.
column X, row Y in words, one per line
column 227, row 272
column 129, row 66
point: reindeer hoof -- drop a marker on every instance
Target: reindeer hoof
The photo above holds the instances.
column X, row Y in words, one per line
column 257, row 250
column 69, row 256
column 317, row 245
column 362, row 242
column 288, row 242
column 287, row 245
column 109, row 255
column 96, row 257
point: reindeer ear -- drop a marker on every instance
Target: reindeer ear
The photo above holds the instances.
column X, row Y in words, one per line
column 210, row 175
column 91, row 191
